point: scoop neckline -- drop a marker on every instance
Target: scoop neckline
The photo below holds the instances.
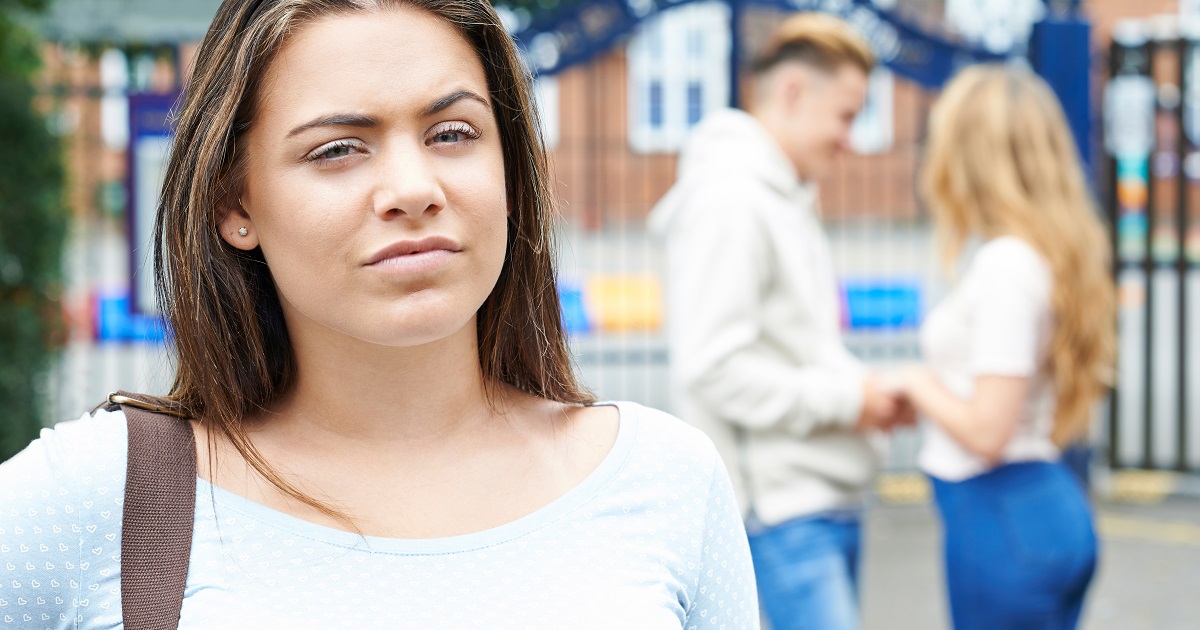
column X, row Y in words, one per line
column 576, row 497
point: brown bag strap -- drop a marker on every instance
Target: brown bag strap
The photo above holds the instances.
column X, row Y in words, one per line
column 159, row 511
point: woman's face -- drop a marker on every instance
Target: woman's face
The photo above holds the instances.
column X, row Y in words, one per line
column 375, row 179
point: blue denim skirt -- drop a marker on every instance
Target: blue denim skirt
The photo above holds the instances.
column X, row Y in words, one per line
column 1020, row 547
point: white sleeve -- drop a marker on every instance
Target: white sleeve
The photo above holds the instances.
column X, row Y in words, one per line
column 1010, row 308
column 718, row 262
column 60, row 525
column 725, row 595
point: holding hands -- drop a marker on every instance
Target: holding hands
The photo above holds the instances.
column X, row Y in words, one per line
column 886, row 405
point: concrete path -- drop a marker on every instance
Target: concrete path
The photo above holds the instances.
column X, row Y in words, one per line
column 1148, row 576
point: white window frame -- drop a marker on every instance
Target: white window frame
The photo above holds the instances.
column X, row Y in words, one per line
column 663, row 51
column 874, row 127
column 998, row 25
column 545, row 93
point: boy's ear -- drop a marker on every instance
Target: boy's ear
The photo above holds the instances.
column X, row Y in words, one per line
column 796, row 83
column 235, row 225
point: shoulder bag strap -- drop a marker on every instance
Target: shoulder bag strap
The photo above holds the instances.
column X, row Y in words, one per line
column 159, row 511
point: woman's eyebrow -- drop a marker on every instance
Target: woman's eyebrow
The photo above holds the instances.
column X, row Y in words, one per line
column 450, row 99
column 359, row 120
column 338, row 120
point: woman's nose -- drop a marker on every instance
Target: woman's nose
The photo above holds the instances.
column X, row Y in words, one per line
column 408, row 185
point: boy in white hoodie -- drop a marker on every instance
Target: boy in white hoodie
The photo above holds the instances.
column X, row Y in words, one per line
column 753, row 316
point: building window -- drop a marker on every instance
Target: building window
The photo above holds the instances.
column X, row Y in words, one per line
column 695, row 102
column 998, row 25
column 545, row 92
column 873, row 129
column 678, row 72
column 695, row 44
column 654, row 104
column 654, row 45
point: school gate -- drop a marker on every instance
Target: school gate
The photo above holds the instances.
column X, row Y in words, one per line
column 1152, row 148
column 624, row 81
column 620, row 84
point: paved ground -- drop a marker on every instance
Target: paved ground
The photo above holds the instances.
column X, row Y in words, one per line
column 1148, row 577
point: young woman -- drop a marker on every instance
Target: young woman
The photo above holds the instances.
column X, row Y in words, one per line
column 355, row 261
column 1017, row 354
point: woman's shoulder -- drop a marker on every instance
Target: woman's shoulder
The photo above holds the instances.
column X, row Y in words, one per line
column 1010, row 260
column 90, row 447
column 662, row 436
column 1009, row 252
column 60, row 525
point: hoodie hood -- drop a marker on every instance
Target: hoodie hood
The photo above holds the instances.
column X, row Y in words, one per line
column 728, row 145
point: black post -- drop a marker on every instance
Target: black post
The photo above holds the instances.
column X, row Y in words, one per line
column 1132, row 62
column 1186, row 148
column 735, row 50
column 1115, row 52
column 1148, row 265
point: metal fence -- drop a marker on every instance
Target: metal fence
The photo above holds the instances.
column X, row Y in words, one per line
column 1153, row 144
column 612, row 165
column 610, row 169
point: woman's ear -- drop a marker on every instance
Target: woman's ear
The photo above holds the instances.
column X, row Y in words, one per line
column 235, row 225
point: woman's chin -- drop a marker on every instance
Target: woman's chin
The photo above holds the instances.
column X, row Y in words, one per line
column 405, row 333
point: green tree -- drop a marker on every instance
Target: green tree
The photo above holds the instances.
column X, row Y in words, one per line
column 33, row 227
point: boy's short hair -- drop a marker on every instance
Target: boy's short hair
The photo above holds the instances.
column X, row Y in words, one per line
column 819, row 40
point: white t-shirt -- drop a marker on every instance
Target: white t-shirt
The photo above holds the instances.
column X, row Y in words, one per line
column 996, row 322
column 651, row 539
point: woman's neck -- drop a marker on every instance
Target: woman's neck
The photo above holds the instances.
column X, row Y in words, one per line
column 364, row 392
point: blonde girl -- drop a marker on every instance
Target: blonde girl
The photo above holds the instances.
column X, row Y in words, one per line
column 1017, row 354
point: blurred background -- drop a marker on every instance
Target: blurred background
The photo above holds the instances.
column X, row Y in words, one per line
column 87, row 87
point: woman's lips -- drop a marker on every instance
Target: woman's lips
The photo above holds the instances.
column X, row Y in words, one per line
column 416, row 262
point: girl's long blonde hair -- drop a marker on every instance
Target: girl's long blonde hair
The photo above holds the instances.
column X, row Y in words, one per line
column 1001, row 161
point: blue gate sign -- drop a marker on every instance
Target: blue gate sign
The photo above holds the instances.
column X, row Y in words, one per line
column 882, row 303
column 149, row 145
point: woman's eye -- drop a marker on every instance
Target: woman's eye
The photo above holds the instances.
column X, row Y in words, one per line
column 334, row 151
column 454, row 135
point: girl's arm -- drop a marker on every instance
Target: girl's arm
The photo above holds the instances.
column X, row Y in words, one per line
column 983, row 424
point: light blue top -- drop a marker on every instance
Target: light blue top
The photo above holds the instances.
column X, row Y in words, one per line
column 651, row 539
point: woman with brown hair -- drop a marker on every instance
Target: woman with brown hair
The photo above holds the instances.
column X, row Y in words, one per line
column 355, row 261
column 1018, row 352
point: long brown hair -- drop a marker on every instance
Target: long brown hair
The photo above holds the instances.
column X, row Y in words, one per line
column 233, row 352
column 1002, row 160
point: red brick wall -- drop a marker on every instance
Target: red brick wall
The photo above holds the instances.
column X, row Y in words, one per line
column 604, row 183
column 600, row 180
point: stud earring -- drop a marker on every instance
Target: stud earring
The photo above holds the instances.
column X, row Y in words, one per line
column 243, row 231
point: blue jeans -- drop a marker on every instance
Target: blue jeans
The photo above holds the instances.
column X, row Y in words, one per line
column 1020, row 547
column 807, row 571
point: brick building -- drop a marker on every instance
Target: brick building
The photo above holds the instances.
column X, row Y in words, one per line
column 614, row 125
column 610, row 174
